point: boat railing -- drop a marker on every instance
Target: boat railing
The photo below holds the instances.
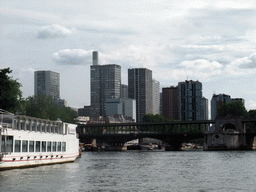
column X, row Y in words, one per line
column 7, row 125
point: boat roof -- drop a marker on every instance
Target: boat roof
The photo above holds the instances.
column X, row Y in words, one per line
column 2, row 111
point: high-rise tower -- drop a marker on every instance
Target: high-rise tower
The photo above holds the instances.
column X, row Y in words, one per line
column 47, row 83
column 105, row 83
column 156, row 96
column 170, row 102
column 190, row 99
column 140, row 89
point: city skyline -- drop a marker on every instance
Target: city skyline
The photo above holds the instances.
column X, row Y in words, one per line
column 211, row 42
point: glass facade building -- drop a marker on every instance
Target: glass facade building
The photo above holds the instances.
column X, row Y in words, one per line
column 140, row 89
column 105, row 83
column 48, row 83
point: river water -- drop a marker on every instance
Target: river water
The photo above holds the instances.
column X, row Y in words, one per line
column 185, row 171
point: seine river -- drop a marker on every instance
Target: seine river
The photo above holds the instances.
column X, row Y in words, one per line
column 183, row 171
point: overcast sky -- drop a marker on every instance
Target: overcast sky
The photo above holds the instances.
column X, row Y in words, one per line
column 214, row 43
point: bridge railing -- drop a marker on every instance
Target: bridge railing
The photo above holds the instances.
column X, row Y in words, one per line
column 146, row 128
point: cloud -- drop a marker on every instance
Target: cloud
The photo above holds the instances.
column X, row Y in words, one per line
column 53, row 31
column 30, row 70
column 252, row 104
column 246, row 62
column 73, row 57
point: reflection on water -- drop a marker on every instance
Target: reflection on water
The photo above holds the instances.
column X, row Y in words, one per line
column 140, row 171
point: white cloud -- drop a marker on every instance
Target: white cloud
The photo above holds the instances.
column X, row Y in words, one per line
column 252, row 104
column 55, row 30
column 245, row 62
column 73, row 57
column 30, row 70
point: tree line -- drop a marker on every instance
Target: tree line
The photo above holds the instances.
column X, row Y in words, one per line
column 40, row 106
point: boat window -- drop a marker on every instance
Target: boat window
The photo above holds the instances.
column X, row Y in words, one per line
column 43, row 127
column 33, row 126
column 31, row 146
column 38, row 126
column 59, row 146
column 17, row 145
column 66, row 129
column 43, row 146
column 7, row 144
column 56, row 129
column 61, row 129
column 48, row 128
column 49, row 146
column 27, row 125
column 52, row 128
column 63, row 146
column 22, row 125
column 37, row 146
column 54, row 146
column 15, row 124
column 24, row 146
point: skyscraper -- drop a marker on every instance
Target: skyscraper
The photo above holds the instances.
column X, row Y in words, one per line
column 218, row 100
column 170, row 102
column 140, row 89
column 156, row 96
column 48, row 83
column 124, row 91
column 190, row 100
column 105, row 83
column 204, row 109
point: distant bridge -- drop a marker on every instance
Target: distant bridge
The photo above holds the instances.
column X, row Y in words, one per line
column 173, row 132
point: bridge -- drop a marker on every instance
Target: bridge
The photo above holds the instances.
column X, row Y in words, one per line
column 173, row 132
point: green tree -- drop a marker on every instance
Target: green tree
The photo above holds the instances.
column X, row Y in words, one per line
column 235, row 109
column 251, row 126
column 10, row 94
column 150, row 118
column 45, row 107
column 41, row 106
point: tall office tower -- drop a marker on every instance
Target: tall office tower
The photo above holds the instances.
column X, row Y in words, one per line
column 124, row 91
column 140, row 89
column 95, row 58
column 48, row 83
column 121, row 106
column 170, row 102
column 105, row 83
column 238, row 99
column 161, row 104
column 216, row 101
column 156, row 96
column 204, row 108
column 190, row 100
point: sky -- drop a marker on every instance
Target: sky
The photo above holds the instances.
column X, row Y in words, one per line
column 213, row 42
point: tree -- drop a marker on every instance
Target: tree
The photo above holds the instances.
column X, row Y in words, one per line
column 149, row 117
column 45, row 107
column 10, row 94
column 235, row 109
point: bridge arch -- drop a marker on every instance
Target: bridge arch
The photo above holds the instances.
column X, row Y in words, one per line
column 228, row 126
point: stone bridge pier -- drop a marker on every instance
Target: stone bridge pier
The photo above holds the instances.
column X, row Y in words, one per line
column 229, row 134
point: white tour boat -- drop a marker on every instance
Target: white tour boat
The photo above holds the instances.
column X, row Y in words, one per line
column 29, row 141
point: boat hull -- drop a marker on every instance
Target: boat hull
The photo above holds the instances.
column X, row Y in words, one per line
column 8, row 161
